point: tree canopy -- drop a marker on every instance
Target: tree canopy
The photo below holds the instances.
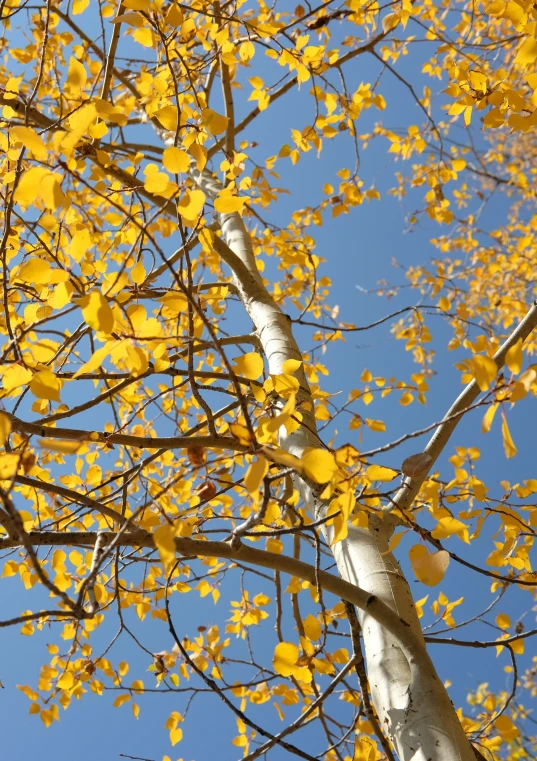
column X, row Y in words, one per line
column 175, row 449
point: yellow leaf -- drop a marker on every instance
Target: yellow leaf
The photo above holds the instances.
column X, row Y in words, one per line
column 428, row 567
column 508, row 443
column 285, row 658
column 515, row 357
column 76, row 74
column 175, row 160
column 503, row 621
column 448, row 526
column 137, row 361
column 167, row 116
column 312, row 627
column 282, row 458
column 5, row 428
column 365, row 749
column 30, row 139
column 120, row 700
column 228, row 204
column 46, row 717
column 39, row 271
column 488, row 417
column 79, row 6
column 96, row 359
column 380, row 473
column 28, row 188
column 215, row 123
column 164, row 538
column 255, row 474
column 275, row 546
column 319, row 465
column 242, row 433
column 246, row 51
column 157, row 182
column 11, row 568
column 51, row 192
column 79, row 123
column 478, row 81
column 484, row 370
column 199, row 153
column 176, row 735
column 376, row 425
column 527, row 53
column 191, row 204
column 290, row 366
column 138, row 273
column 506, row 728
column 188, row 30
column 66, row 681
column 16, row 376
column 97, row 312
column 144, row 37
column 250, row 365
column 9, row 464
column 80, row 243
column 45, row 385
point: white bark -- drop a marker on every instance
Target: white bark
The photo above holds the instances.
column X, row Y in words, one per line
column 411, row 702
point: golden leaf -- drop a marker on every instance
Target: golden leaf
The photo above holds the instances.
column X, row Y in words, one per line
column 380, row 473
column 97, row 312
column 255, row 474
column 76, row 75
column 175, row 160
column 508, row 443
column 484, row 370
column 249, row 365
column 45, row 385
column 515, row 357
column 30, row 139
column 319, row 465
column 428, row 567
column 285, row 658
column 5, row 428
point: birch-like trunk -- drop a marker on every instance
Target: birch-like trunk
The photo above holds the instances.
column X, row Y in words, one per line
column 412, row 704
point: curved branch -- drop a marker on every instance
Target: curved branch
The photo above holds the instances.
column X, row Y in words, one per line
column 411, row 486
column 374, row 606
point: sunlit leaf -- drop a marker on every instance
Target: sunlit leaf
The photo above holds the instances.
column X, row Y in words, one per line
column 76, row 75
column 515, row 357
column 381, row 473
column 176, row 160
column 484, row 370
column 508, row 443
column 429, row 567
column 319, row 465
column 97, row 312
column 249, row 365
column 45, row 385
column 285, row 658
column 30, row 139
column 255, row 474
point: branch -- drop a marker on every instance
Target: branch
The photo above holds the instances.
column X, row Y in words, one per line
column 71, row 494
column 303, row 716
column 140, row 442
column 373, row 605
column 411, row 486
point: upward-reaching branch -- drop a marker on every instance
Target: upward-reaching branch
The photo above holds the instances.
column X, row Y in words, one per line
column 411, row 486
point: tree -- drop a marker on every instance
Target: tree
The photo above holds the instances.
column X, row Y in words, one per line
column 137, row 217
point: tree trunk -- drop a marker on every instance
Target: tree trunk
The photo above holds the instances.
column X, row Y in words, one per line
column 412, row 703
